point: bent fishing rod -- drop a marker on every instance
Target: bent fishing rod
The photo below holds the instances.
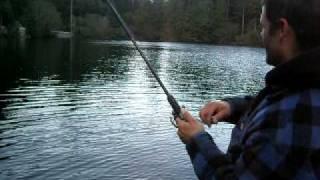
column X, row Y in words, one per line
column 172, row 101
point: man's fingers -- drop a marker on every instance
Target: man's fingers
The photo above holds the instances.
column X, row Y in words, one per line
column 217, row 117
column 187, row 116
column 179, row 122
column 204, row 114
column 208, row 117
column 214, row 120
column 207, row 112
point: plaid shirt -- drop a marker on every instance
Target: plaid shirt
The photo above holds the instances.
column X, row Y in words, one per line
column 278, row 136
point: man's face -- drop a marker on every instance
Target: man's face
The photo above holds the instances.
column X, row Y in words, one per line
column 270, row 41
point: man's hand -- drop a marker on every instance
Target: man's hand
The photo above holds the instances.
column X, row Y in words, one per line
column 188, row 127
column 215, row 111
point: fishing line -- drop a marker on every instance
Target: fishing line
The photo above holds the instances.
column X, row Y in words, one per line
column 172, row 101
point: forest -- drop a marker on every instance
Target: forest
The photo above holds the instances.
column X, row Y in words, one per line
column 201, row 21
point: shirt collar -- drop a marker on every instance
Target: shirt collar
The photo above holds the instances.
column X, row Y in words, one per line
column 302, row 71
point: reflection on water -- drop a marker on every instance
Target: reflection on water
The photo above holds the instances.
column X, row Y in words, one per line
column 100, row 114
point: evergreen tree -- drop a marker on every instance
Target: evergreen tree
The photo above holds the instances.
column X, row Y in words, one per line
column 42, row 17
column 215, row 21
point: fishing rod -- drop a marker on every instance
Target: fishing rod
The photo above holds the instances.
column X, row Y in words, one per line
column 172, row 101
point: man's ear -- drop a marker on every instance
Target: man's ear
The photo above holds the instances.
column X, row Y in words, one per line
column 285, row 30
column 287, row 38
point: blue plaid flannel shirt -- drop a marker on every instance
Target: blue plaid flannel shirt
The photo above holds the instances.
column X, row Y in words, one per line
column 279, row 137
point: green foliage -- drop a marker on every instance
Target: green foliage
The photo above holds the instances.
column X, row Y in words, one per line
column 213, row 21
column 42, row 17
column 6, row 12
column 93, row 26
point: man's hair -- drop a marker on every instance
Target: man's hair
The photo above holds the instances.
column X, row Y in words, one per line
column 302, row 15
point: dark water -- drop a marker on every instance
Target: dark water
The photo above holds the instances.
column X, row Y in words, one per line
column 99, row 114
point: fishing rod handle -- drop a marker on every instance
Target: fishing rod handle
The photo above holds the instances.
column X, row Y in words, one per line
column 175, row 106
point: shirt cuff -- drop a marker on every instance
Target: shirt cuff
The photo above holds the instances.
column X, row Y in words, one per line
column 206, row 146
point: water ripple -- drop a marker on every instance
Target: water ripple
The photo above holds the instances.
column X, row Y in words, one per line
column 113, row 121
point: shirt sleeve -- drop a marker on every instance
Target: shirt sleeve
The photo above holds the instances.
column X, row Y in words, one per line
column 238, row 105
column 280, row 142
column 202, row 151
column 263, row 156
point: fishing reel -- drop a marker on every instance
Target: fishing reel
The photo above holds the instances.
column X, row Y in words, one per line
column 175, row 116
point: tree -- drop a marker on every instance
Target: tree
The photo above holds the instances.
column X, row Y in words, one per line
column 42, row 17
column 214, row 21
column 6, row 12
column 93, row 26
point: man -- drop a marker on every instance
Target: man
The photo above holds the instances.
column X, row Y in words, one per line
column 277, row 133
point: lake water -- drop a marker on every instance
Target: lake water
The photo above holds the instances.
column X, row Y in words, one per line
column 94, row 111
